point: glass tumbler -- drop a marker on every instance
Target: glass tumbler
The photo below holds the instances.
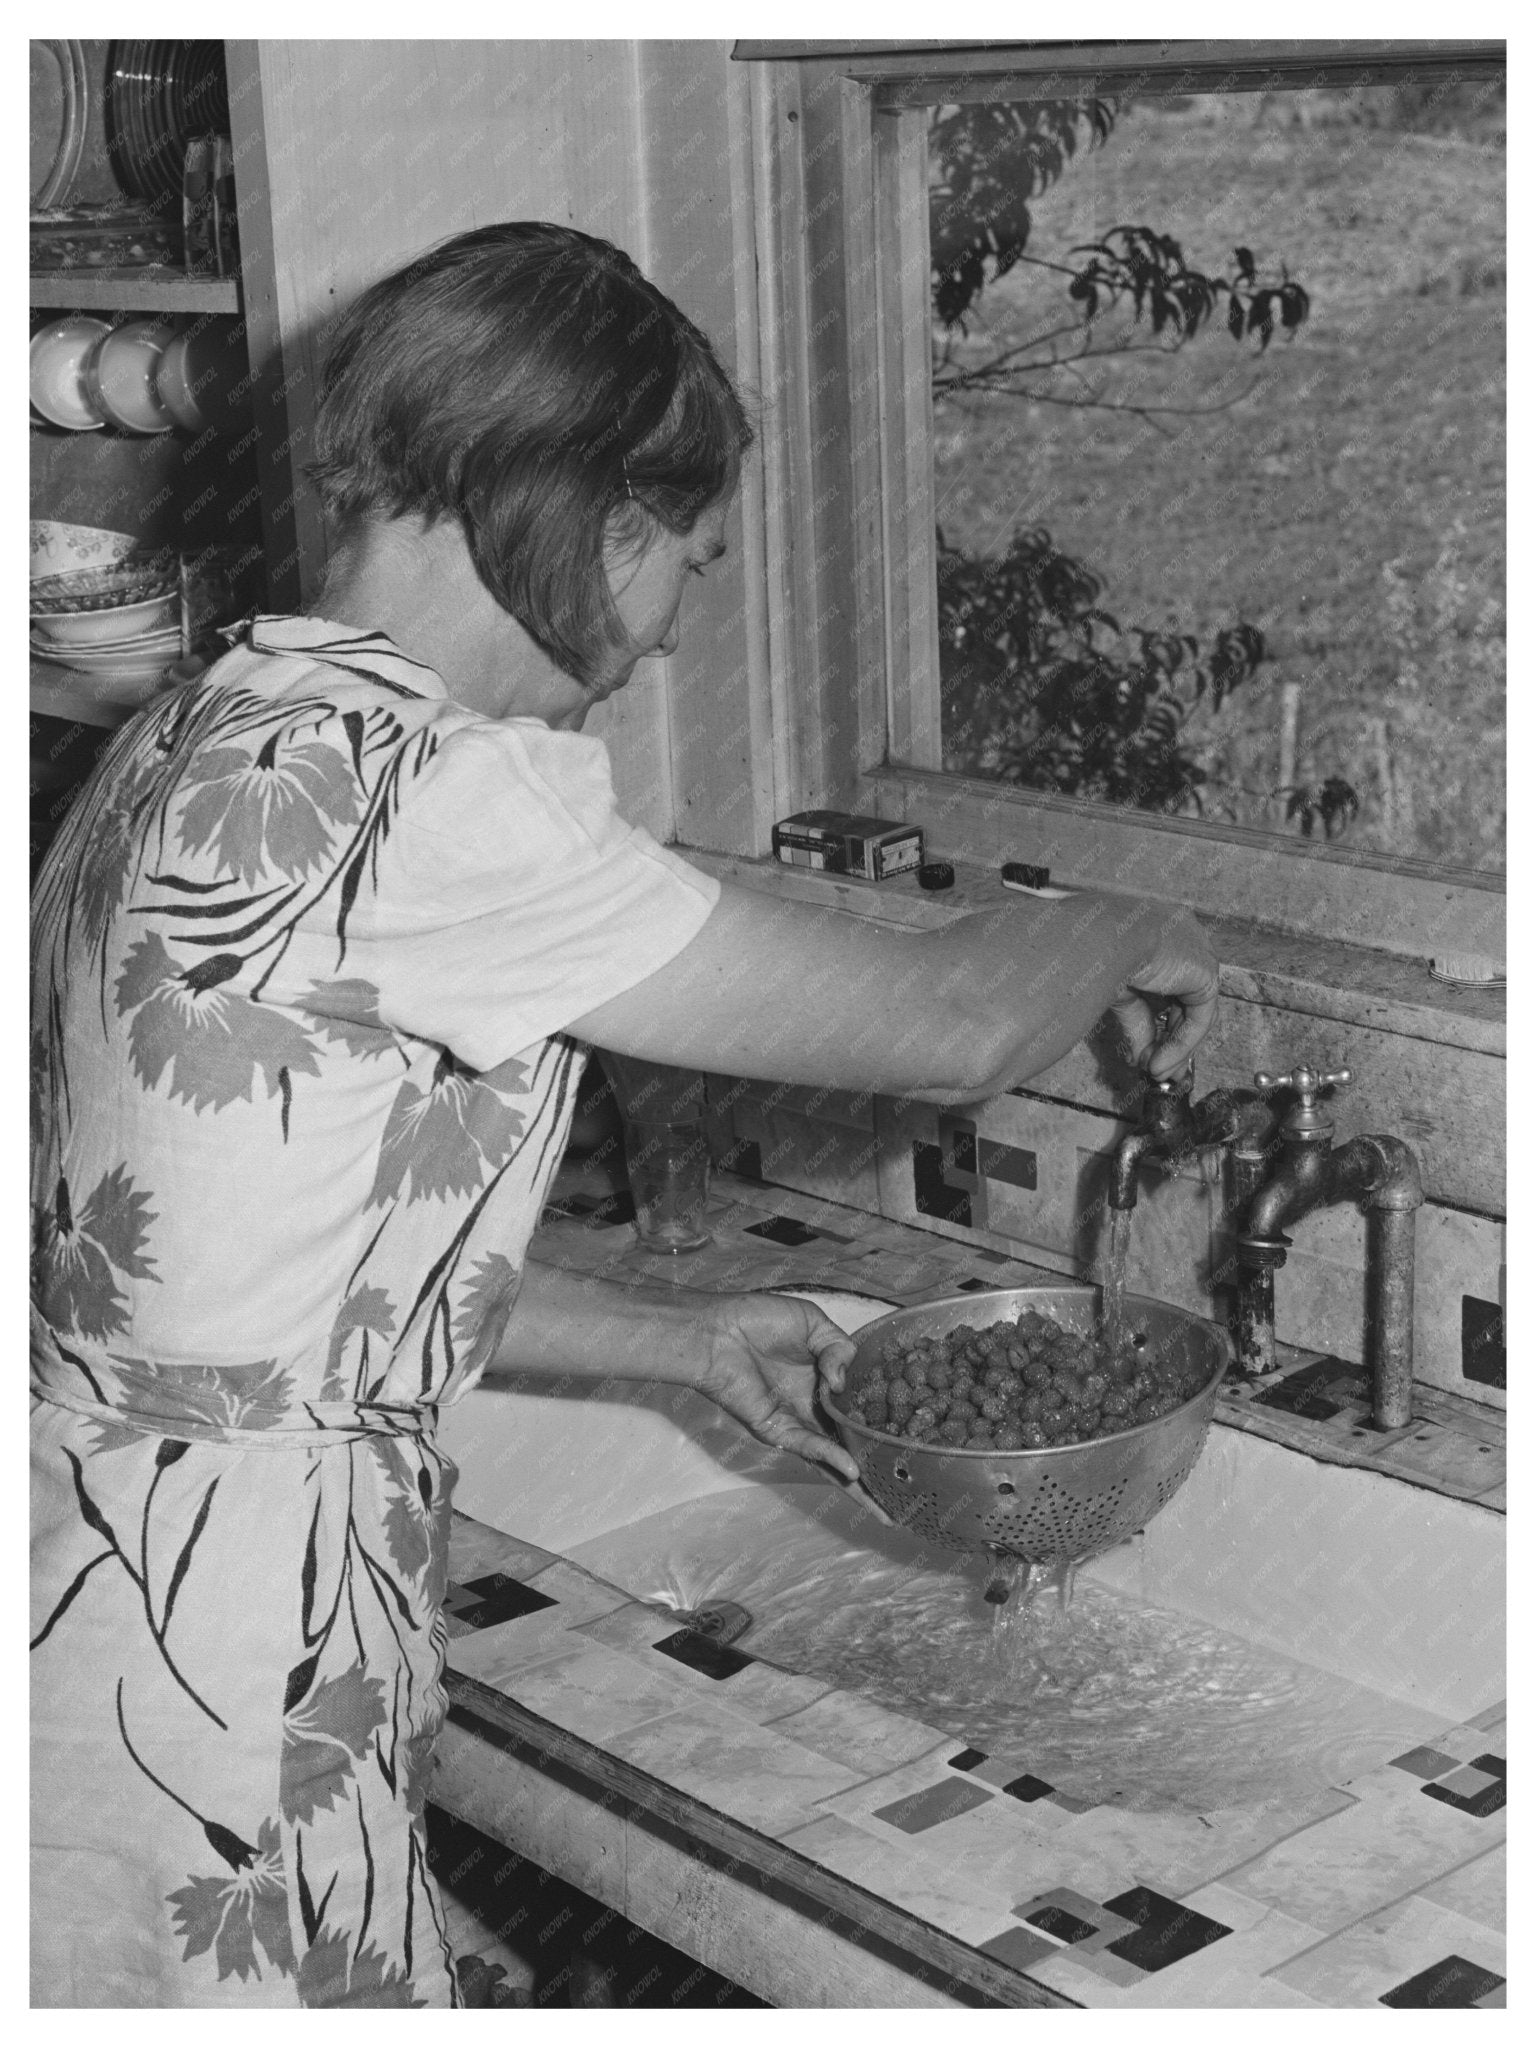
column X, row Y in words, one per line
column 669, row 1180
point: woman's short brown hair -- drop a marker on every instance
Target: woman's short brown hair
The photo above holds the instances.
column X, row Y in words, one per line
column 527, row 381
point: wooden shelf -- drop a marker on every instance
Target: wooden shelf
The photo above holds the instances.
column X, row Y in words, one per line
column 149, row 289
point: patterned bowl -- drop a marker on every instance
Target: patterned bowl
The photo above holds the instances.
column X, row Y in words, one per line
column 58, row 547
column 108, row 588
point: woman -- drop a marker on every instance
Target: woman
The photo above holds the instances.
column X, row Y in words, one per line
column 315, row 959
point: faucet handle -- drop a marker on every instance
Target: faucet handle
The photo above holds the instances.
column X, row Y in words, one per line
column 1308, row 1083
column 1180, row 1082
column 1305, row 1080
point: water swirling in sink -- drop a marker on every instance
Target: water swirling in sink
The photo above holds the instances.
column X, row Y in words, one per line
column 1108, row 1699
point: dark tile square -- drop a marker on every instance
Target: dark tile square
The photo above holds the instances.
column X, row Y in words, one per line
column 990, row 1258
column 1064, row 1925
column 1423, row 1762
column 1317, row 1392
column 1028, row 1788
column 1482, row 1341
column 935, row 1803
column 973, row 1287
column 1451, row 1981
column 485, row 1602
column 702, row 1653
column 967, row 1759
column 1017, row 1948
column 782, row 1230
column 1165, row 1933
column 1010, row 1164
column 1494, row 1765
column 931, row 1193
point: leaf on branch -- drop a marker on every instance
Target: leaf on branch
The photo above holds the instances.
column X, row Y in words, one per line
column 1331, row 803
column 1042, row 687
column 988, row 163
column 1261, row 319
column 1294, row 307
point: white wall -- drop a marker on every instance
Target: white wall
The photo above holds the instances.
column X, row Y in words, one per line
column 356, row 155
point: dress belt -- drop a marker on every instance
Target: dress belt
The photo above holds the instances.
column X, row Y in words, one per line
column 249, row 1406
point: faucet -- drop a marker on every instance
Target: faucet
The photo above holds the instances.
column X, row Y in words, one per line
column 1173, row 1128
column 1311, row 1172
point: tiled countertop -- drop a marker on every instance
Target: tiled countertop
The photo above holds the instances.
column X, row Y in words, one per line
column 1388, row 1889
column 1385, row 1889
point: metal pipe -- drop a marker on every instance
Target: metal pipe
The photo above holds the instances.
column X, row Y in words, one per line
column 1389, row 1316
column 1396, row 1195
column 1256, row 1322
column 1383, row 1173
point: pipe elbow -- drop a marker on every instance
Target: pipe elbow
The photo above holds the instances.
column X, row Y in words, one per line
column 1400, row 1185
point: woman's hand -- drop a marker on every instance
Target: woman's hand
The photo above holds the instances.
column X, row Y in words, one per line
column 763, row 1355
column 1180, row 973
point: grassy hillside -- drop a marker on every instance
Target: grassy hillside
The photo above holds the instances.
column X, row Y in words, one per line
column 1345, row 492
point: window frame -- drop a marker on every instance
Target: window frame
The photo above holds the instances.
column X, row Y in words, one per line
column 841, row 225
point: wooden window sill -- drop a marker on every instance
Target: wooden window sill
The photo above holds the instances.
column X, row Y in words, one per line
column 1324, row 978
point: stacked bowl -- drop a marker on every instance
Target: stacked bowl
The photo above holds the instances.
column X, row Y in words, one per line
column 146, row 376
column 106, row 611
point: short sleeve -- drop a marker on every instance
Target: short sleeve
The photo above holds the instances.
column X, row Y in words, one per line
column 510, row 897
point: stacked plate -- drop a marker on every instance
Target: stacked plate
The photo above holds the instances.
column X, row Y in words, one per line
column 160, row 95
column 116, row 628
column 60, row 117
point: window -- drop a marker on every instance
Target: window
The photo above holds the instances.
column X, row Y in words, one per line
column 1316, row 795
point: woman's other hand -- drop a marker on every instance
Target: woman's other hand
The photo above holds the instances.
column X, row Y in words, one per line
column 764, row 1353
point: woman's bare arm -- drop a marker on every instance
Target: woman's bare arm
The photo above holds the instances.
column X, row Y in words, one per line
column 757, row 1356
column 776, row 989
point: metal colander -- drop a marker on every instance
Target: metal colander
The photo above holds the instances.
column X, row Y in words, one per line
column 1052, row 1506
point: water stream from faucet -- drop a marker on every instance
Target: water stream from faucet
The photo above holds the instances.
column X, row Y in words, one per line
column 1112, row 1328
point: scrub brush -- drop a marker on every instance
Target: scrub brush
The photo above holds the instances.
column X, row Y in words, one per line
column 1468, row 970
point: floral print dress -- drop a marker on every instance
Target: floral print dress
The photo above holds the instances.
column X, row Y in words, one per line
column 304, row 953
